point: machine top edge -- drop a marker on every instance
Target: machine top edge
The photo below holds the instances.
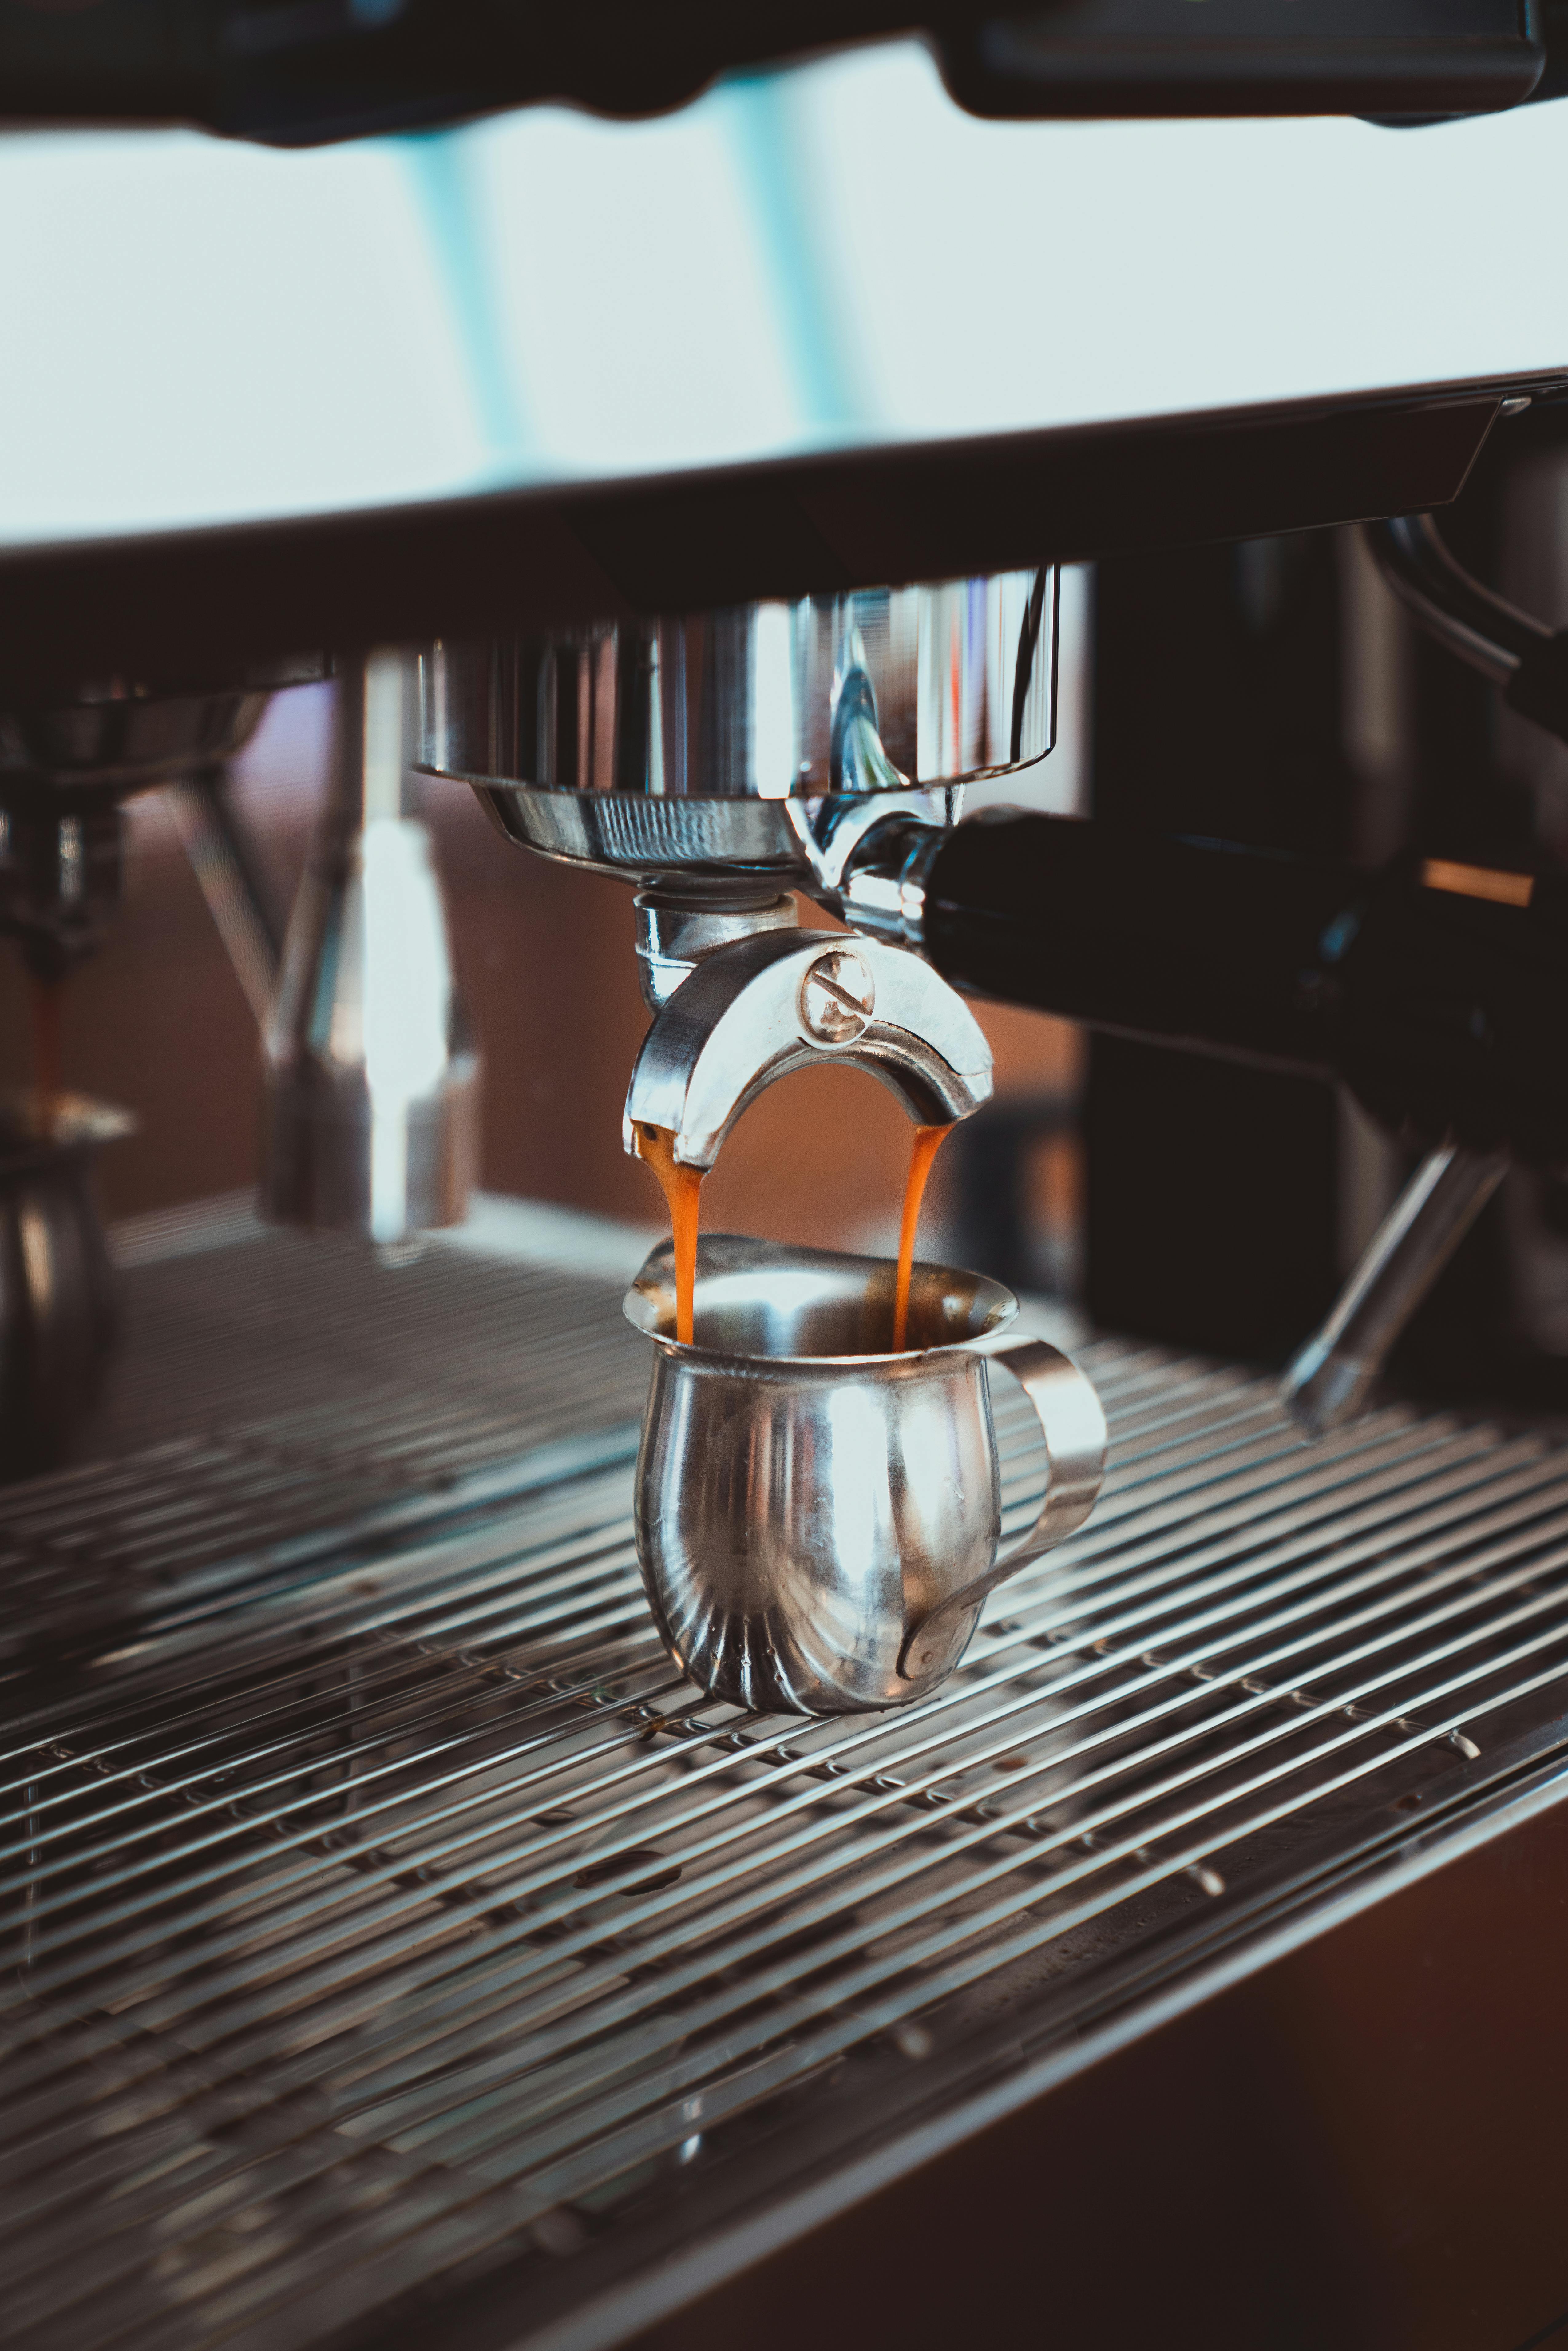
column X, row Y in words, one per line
column 187, row 607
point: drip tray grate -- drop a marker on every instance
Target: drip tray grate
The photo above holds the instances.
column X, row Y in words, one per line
column 369, row 1932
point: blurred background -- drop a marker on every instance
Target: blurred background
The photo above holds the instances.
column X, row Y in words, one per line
column 202, row 332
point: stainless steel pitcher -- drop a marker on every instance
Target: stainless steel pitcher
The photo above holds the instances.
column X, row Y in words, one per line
column 818, row 1518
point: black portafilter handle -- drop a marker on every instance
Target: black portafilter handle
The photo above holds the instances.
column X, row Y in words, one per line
column 1437, row 989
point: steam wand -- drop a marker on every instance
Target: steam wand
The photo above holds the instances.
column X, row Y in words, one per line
column 1329, row 1380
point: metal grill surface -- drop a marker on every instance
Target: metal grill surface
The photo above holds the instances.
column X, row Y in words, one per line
column 274, row 1391
column 382, row 1924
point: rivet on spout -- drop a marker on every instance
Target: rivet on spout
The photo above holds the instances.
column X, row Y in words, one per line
column 838, row 995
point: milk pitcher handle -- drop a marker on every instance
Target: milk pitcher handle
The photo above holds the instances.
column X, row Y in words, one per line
column 1072, row 1423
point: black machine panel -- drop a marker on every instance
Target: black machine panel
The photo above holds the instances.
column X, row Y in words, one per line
column 182, row 607
column 301, row 71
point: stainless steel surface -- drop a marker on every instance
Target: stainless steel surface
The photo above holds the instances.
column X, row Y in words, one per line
column 713, row 743
column 275, row 1394
column 882, row 890
column 715, row 844
column 1484, row 629
column 1330, row 1379
column 782, row 1000
column 1072, row 1427
column 674, row 933
column 836, row 999
column 372, row 1079
column 816, row 1518
column 123, row 735
column 955, row 676
column 387, row 1918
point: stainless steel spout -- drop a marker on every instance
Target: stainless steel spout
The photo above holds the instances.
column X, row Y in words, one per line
column 371, row 1082
column 783, row 1000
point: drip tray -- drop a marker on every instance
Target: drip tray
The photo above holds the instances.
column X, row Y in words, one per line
column 383, row 1915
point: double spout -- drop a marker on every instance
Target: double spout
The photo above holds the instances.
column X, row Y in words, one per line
column 758, row 1008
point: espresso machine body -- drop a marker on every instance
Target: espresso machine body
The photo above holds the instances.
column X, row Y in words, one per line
column 397, row 1944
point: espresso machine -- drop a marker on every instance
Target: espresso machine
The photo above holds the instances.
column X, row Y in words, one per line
column 398, row 1942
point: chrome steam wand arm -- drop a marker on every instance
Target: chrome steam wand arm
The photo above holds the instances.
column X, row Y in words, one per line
column 1329, row 1380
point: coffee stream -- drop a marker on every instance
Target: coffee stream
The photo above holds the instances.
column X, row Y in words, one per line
column 928, row 1142
column 656, row 1144
column 682, row 1186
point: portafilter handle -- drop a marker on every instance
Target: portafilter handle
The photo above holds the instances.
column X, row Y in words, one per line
column 755, row 1010
column 1072, row 1425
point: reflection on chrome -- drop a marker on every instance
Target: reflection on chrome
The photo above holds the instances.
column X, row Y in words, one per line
column 748, row 701
column 373, row 1083
column 818, row 1520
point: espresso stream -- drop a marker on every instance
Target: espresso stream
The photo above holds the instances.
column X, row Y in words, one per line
column 928, row 1142
column 682, row 1185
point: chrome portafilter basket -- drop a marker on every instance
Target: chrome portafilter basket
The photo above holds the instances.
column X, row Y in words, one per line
column 719, row 761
